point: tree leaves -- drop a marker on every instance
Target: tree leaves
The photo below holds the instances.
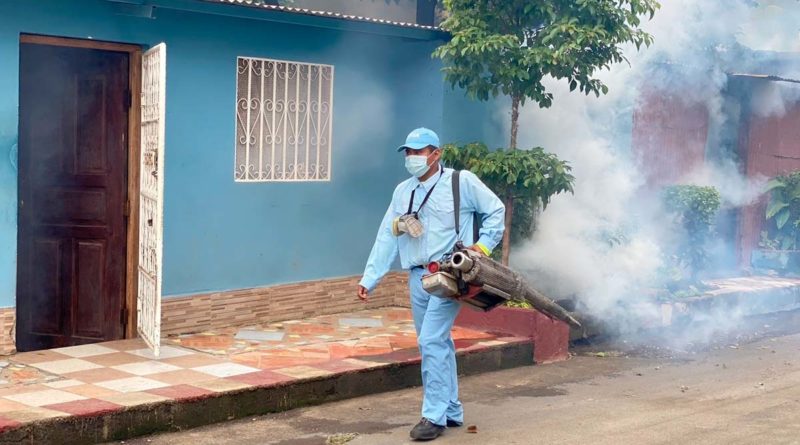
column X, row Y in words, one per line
column 695, row 209
column 775, row 183
column 692, row 201
column 783, row 211
column 775, row 207
column 782, row 218
column 510, row 46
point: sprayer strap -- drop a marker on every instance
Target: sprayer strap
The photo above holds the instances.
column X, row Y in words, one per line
column 457, row 200
column 457, row 208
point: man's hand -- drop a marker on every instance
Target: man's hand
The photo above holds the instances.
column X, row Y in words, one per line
column 475, row 248
column 363, row 293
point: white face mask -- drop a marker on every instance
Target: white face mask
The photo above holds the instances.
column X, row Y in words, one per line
column 417, row 165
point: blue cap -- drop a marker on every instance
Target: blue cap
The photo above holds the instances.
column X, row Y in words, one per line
column 419, row 139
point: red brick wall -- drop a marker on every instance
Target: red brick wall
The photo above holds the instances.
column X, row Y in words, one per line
column 253, row 306
column 8, row 320
column 285, row 302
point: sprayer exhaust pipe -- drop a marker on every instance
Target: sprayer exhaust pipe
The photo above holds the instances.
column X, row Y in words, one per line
column 483, row 271
column 461, row 262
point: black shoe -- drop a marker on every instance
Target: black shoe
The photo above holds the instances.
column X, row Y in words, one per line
column 453, row 424
column 425, row 430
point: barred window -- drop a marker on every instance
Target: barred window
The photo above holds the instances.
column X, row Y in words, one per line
column 283, row 121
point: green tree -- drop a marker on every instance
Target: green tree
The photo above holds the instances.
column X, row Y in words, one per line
column 508, row 47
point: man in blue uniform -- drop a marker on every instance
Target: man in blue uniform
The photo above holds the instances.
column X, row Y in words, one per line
column 420, row 226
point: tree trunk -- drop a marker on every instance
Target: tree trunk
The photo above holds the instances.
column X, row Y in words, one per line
column 514, row 122
column 509, row 202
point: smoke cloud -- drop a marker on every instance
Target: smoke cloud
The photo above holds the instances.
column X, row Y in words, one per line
column 605, row 246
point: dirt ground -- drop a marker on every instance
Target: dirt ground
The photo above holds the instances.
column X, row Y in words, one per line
column 742, row 389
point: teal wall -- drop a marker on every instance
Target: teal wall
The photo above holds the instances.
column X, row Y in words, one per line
column 222, row 235
column 466, row 120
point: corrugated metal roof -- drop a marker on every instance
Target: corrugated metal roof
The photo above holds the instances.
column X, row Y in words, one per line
column 771, row 77
column 334, row 15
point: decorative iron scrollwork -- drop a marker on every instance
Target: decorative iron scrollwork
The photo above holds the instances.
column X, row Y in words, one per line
column 283, row 121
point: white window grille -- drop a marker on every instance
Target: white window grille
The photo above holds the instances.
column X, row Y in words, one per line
column 283, row 121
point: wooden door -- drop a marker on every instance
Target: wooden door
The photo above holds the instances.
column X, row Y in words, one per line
column 74, row 105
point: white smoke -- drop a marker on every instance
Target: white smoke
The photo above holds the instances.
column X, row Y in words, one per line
column 604, row 246
column 735, row 189
column 770, row 99
column 773, row 26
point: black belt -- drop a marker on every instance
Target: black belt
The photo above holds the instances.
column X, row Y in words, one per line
column 417, row 267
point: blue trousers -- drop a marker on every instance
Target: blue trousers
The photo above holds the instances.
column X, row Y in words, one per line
column 433, row 319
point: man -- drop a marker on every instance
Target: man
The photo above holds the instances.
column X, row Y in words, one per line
column 427, row 197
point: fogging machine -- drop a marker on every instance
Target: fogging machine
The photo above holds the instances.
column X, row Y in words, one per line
column 483, row 283
column 480, row 281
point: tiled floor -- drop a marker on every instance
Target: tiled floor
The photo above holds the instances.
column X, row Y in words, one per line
column 94, row 379
column 752, row 284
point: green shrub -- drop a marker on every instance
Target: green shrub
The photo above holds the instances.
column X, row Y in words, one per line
column 694, row 209
column 783, row 213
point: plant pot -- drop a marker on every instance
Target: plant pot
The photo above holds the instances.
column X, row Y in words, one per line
column 550, row 337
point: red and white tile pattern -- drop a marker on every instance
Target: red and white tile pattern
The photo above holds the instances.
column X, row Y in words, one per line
column 100, row 378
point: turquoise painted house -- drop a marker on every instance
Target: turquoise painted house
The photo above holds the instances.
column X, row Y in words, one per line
column 173, row 165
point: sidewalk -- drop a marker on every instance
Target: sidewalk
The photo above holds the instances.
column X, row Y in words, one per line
column 742, row 296
column 117, row 390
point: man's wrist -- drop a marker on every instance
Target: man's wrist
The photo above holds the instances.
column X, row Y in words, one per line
column 483, row 248
column 367, row 284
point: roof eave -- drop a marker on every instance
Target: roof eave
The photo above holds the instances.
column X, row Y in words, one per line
column 768, row 77
column 232, row 8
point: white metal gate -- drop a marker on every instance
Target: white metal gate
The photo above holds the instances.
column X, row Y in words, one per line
column 151, row 195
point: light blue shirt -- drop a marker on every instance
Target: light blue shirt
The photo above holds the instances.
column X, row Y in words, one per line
column 437, row 218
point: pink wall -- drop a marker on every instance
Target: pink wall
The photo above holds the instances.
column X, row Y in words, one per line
column 669, row 137
column 771, row 146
